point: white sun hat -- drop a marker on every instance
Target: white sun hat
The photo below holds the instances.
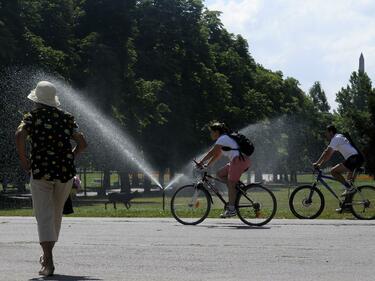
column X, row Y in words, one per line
column 45, row 93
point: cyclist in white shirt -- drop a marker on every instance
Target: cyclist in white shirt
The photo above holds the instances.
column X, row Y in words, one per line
column 353, row 158
column 232, row 171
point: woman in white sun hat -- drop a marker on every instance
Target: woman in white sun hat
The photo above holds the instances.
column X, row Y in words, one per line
column 51, row 163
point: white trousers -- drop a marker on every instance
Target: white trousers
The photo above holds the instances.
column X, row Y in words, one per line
column 48, row 202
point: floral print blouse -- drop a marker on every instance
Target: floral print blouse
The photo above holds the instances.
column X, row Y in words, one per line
column 50, row 130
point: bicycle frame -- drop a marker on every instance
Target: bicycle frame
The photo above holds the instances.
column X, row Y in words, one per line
column 320, row 179
column 208, row 185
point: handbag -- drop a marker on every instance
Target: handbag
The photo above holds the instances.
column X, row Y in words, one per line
column 68, row 206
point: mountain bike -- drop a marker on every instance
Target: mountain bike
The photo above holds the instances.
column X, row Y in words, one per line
column 190, row 204
column 307, row 201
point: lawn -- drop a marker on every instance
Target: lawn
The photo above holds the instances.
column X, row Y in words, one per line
column 152, row 207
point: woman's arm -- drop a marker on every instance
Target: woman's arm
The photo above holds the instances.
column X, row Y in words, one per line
column 212, row 155
column 81, row 143
column 21, row 136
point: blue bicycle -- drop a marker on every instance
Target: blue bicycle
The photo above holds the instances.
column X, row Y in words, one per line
column 307, row 201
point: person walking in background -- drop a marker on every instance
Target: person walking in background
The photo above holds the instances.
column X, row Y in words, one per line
column 51, row 165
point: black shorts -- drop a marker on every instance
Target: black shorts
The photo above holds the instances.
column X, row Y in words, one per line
column 353, row 162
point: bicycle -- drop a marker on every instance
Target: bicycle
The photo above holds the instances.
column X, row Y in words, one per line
column 307, row 201
column 190, row 205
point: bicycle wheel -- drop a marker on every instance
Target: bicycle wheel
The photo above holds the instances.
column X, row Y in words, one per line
column 190, row 204
column 256, row 206
column 306, row 202
column 363, row 203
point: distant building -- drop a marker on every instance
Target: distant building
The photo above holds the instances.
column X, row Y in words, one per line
column 361, row 64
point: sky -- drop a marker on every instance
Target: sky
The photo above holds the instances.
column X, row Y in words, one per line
column 310, row 40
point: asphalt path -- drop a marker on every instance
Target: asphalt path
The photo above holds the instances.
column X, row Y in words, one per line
column 162, row 249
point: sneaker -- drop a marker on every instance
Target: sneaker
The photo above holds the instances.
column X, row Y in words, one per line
column 228, row 213
column 348, row 191
column 343, row 210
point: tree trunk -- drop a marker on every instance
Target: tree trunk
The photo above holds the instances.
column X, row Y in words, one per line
column 258, row 176
column 172, row 173
column 293, row 177
column 286, row 178
column 4, row 182
column 274, row 177
column 106, row 183
column 161, row 176
column 146, row 184
column 135, row 180
column 125, row 181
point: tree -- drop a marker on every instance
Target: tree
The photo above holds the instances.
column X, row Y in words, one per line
column 319, row 98
column 370, row 132
column 353, row 113
column 161, row 70
column 11, row 29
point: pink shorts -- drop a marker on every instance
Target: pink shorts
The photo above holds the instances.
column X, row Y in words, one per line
column 234, row 169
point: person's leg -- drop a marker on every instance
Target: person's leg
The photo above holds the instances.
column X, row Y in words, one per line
column 223, row 173
column 42, row 196
column 60, row 195
column 47, row 247
column 337, row 172
column 349, row 176
column 236, row 169
column 232, row 192
column 353, row 163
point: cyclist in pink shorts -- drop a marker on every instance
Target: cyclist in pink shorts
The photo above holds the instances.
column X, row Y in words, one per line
column 232, row 171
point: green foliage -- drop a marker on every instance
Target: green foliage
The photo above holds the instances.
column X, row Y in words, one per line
column 319, row 97
column 354, row 110
column 356, row 114
column 163, row 69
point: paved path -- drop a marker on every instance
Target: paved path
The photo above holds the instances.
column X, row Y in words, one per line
column 163, row 250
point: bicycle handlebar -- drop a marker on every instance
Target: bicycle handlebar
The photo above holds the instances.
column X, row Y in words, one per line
column 317, row 171
column 200, row 166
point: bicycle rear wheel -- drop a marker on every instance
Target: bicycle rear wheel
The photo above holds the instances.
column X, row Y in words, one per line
column 363, row 203
column 256, row 206
column 306, row 202
column 190, row 204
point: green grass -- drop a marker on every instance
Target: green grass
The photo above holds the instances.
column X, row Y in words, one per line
column 152, row 207
column 94, row 180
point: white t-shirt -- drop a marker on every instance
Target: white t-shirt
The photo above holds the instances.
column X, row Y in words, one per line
column 342, row 145
column 225, row 140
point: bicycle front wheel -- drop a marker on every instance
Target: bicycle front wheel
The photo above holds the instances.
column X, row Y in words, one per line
column 306, row 202
column 363, row 203
column 190, row 204
column 256, row 205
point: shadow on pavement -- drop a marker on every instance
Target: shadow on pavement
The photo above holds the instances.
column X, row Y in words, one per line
column 58, row 277
column 231, row 226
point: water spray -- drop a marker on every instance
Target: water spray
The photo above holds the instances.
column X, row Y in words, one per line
column 111, row 133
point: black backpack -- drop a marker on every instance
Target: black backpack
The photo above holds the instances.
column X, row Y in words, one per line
column 245, row 145
column 349, row 138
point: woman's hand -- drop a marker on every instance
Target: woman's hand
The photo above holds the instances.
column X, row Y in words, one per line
column 200, row 164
